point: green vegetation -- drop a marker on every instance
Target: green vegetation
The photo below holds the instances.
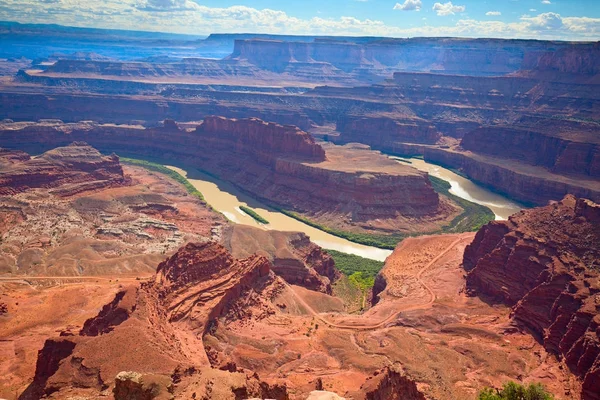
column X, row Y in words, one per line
column 380, row 241
column 254, row 214
column 360, row 273
column 167, row 171
column 350, row 264
column 515, row 391
column 471, row 219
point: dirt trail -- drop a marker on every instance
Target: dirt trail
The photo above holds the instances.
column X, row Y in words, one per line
column 367, row 327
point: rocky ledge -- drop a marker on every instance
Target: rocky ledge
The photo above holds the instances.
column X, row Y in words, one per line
column 70, row 170
column 545, row 263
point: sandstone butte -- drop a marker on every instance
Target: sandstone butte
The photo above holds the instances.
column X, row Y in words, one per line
column 160, row 323
column 545, row 263
column 281, row 165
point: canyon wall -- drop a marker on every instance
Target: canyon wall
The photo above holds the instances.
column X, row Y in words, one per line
column 528, row 184
column 384, row 132
column 545, row 263
column 264, row 167
column 447, row 55
column 539, row 147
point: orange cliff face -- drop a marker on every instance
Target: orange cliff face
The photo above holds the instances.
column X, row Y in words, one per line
column 545, row 263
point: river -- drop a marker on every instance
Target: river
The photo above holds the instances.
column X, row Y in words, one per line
column 464, row 188
column 227, row 199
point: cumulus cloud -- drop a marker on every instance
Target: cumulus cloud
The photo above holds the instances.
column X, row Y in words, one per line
column 546, row 2
column 409, row 5
column 493, row 13
column 545, row 21
column 188, row 17
column 447, row 9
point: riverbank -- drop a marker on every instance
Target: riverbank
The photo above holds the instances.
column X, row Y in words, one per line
column 473, row 216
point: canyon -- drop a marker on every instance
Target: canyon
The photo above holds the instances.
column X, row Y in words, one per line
column 370, row 91
column 345, row 187
column 119, row 279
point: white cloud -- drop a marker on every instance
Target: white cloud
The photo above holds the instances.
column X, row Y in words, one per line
column 494, row 13
column 188, row 17
column 447, row 9
column 532, row 10
column 545, row 21
column 546, row 2
column 409, row 5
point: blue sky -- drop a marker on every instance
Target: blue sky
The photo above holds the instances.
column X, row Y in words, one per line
column 542, row 19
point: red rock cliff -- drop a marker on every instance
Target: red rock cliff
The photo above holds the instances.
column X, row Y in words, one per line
column 263, row 138
column 384, row 132
column 545, row 263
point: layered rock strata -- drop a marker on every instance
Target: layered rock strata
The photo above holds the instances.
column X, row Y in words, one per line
column 158, row 325
column 279, row 164
column 545, row 263
column 294, row 257
column 71, row 169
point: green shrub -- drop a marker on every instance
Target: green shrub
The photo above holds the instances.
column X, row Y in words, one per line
column 515, row 391
column 254, row 214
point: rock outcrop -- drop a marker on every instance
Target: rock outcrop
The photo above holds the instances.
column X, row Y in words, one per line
column 278, row 164
column 545, row 263
column 564, row 149
column 70, row 170
column 262, row 139
column 294, row 257
column 159, row 325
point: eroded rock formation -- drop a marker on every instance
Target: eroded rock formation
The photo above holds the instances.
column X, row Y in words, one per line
column 544, row 262
column 71, row 169
column 294, row 257
column 160, row 325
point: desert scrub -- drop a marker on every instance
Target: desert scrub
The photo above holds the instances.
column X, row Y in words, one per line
column 254, row 214
column 515, row 391
column 166, row 171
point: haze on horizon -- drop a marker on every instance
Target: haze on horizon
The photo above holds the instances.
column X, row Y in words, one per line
column 527, row 19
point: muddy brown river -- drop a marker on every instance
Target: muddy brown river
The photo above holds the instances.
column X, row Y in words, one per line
column 227, row 199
